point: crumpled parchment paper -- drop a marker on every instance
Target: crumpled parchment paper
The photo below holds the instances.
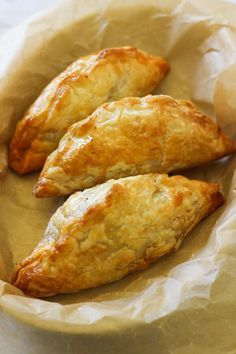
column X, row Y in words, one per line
column 186, row 302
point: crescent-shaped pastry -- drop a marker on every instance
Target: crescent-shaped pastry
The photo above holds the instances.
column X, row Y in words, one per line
column 130, row 137
column 108, row 75
column 103, row 233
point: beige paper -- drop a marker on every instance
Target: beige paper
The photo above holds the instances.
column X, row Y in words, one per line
column 187, row 299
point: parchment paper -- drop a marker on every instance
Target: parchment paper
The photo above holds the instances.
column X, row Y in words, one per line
column 187, row 299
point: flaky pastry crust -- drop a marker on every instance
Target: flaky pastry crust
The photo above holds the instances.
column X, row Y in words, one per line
column 130, row 137
column 103, row 233
column 108, row 75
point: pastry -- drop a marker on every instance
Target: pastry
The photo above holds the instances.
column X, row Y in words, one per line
column 72, row 96
column 130, row 137
column 103, row 233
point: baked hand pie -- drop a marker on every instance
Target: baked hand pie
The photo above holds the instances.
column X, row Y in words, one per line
column 130, row 137
column 108, row 75
column 103, row 233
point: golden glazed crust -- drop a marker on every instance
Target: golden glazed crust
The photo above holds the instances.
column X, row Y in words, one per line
column 130, row 137
column 108, row 75
column 103, row 233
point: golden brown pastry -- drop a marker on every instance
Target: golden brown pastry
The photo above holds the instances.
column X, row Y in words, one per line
column 103, row 233
column 92, row 80
column 130, row 137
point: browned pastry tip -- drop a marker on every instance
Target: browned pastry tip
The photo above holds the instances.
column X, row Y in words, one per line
column 45, row 189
